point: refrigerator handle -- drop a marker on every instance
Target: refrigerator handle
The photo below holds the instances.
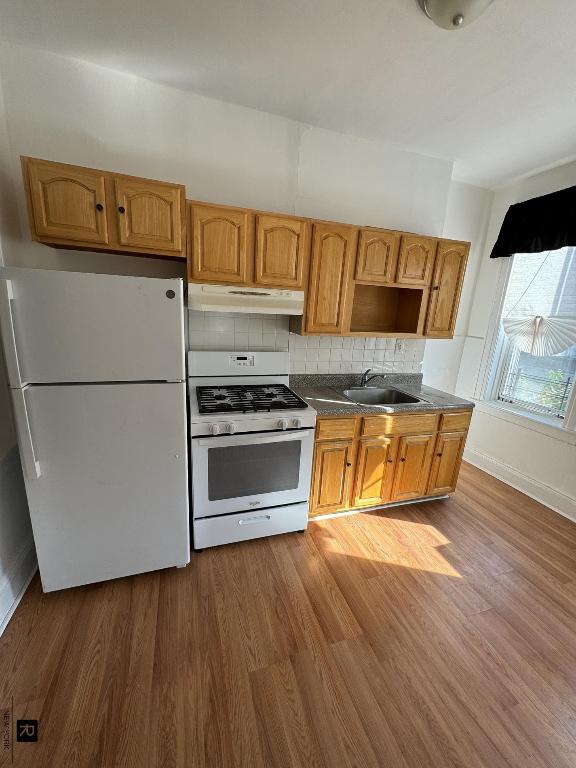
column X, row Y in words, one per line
column 7, row 324
column 25, row 442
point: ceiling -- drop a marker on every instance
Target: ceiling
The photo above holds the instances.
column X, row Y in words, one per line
column 498, row 97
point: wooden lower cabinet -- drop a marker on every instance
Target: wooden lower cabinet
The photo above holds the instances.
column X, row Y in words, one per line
column 446, row 462
column 355, row 468
column 413, row 467
column 332, row 476
column 374, row 471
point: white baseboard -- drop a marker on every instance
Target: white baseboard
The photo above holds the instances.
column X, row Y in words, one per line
column 560, row 502
column 15, row 581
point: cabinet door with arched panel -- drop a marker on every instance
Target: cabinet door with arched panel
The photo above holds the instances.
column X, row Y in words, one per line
column 374, row 471
column 416, row 260
column 377, row 256
column 282, row 251
column 446, row 462
column 446, row 288
column 332, row 263
column 66, row 202
column 149, row 213
column 220, row 244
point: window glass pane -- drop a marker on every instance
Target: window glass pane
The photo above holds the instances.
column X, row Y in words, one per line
column 539, row 384
column 540, row 284
column 249, row 470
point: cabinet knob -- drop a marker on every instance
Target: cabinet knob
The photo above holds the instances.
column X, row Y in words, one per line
column 121, row 209
column 390, row 461
column 403, row 459
column 435, row 287
column 439, row 455
column 348, row 463
column 99, row 207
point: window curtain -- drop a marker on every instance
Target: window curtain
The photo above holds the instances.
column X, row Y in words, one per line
column 541, row 224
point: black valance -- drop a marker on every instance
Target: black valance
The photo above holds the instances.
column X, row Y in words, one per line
column 541, row 224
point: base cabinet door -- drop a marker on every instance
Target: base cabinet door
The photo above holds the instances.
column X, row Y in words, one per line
column 282, row 251
column 446, row 462
column 149, row 213
column 220, row 246
column 67, row 202
column 446, row 288
column 333, row 253
column 416, row 260
column 332, row 476
column 374, row 472
column 412, row 467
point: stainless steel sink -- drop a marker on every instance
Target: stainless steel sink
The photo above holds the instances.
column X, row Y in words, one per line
column 378, row 396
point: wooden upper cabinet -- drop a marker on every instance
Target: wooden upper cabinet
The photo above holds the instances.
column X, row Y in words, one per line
column 413, row 467
column 374, row 472
column 332, row 262
column 377, row 256
column 149, row 213
column 446, row 288
column 416, row 260
column 282, row 251
column 66, row 202
column 75, row 207
column 332, row 476
column 446, row 462
column 220, row 244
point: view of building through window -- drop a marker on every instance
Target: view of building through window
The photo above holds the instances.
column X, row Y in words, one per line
column 539, row 284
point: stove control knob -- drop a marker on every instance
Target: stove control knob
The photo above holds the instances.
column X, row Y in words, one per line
column 231, row 427
column 282, row 423
column 296, row 423
column 215, row 429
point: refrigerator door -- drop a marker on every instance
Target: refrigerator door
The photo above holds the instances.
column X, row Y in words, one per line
column 73, row 327
column 111, row 498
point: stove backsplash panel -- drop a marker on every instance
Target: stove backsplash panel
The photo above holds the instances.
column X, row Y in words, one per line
column 308, row 354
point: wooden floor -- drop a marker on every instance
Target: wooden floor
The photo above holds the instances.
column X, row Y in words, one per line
column 433, row 635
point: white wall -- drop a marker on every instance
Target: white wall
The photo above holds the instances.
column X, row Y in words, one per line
column 537, row 459
column 17, row 556
column 64, row 109
column 466, row 218
column 68, row 110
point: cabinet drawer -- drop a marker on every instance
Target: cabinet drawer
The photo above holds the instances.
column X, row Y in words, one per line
column 452, row 422
column 335, row 429
column 400, row 424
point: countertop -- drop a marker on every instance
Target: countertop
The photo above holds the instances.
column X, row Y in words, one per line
column 328, row 401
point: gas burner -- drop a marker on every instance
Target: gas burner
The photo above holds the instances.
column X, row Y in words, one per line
column 245, row 398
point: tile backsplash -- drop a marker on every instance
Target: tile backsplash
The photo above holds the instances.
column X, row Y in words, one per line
column 308, row 354
column 235, row 331
column 337, row 354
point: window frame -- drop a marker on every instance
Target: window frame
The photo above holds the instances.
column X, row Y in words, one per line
column 499, row 351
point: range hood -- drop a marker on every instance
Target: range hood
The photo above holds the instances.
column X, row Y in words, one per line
column 236, row 298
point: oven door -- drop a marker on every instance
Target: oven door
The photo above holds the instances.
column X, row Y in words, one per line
column 248, row 472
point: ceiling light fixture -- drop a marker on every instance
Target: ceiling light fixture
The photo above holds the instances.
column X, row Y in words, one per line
column 453, row 14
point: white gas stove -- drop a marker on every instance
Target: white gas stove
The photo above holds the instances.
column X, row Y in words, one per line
column 252, row 441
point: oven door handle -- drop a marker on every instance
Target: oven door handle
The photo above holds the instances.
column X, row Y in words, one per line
column 254, row 438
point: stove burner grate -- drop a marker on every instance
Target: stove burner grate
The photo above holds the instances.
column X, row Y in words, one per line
column 247, row 398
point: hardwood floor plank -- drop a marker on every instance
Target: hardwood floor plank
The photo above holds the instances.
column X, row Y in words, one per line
column 438, row 635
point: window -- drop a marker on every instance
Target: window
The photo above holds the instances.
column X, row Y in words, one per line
column 539, row 284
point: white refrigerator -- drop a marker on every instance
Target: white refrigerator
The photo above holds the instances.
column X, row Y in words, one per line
column 96, row 365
